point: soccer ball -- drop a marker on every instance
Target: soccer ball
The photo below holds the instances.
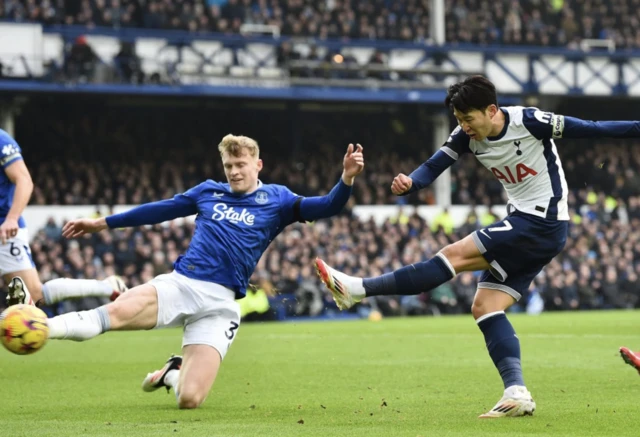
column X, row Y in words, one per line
column 23, row 329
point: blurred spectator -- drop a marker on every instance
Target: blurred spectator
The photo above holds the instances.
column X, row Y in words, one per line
column 255, row 305
column 377, row 59
column 80, row 63
column 127, row 64
column 309, row 294
column 286, row 53
column 444, row 299
column 611, row 289
column 465, row 287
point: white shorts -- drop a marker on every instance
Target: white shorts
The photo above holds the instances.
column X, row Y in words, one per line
column 15, row 255
column 207, row 311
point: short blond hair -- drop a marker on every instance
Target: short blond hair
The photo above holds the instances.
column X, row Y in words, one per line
column 235, row 144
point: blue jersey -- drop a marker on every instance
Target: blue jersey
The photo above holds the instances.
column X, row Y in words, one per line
column 10, row 152
column 232, row 230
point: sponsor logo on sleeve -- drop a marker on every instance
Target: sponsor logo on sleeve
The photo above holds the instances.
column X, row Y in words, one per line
column 543, row 117
column 558, row 126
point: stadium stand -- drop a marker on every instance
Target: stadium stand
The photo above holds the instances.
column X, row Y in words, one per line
column 530, row 22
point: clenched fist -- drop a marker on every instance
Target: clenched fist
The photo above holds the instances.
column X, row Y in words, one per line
column 401, row 184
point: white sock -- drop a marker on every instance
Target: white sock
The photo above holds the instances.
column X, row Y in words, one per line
column 79, row 326
column 356, row 288
column 171, row 379
column 354, row 284
column 63, row 288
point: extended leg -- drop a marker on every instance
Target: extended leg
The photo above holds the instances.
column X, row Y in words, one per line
column 136, row 310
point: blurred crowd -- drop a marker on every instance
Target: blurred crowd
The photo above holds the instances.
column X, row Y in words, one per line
column 118, row 155
column 107, row 153
column 599, row 267
column 527, row 22
column 613, row 168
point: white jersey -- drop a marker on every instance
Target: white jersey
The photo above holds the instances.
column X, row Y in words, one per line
column 524, row 158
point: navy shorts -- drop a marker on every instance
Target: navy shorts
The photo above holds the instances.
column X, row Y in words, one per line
column 517, row 248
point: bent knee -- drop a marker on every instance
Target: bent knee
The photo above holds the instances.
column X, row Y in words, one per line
column 451, row 252
column 118, row 313
column 190, row 396
column 188, row 404
column 462, row 256
column 496, row 302
column 190, row 401
column 479, row 309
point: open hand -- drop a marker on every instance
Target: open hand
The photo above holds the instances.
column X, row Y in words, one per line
column 79, row 227
column 353, row 163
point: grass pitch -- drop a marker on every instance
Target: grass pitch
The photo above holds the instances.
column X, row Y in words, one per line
column 397, row 377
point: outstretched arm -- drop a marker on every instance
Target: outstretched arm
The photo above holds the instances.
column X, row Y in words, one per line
column 314, row 208
column 544, row 125
column 424, row 175
column 147, row 214
column 153, row 213
column 577, row 128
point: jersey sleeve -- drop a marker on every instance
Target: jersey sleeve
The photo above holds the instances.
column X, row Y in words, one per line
column 457, row 144
column 192, row 194
column 10, row 151
column 182, row 205
column 289, row 206
column 543, row 125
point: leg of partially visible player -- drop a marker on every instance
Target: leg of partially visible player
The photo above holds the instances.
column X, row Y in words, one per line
column 135, row 310
column 25, row 287
column 631, row 358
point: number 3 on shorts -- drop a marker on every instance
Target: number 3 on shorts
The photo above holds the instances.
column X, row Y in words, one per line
column 231, row 332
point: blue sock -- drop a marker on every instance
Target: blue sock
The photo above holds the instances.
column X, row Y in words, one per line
column 413, row 279
column 504, row 347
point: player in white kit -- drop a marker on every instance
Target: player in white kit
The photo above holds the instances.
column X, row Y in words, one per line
column 517, row 145
column 16, row 266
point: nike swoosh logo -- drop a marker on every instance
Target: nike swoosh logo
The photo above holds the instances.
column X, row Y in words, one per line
column 483, row 233
column 479, row 153
column 218, row 194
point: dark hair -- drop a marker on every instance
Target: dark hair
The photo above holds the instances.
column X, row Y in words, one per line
column 475, row 92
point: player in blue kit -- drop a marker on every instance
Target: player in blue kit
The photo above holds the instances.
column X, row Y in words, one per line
column 517, row 145
column 235, row 223
column 16, row 266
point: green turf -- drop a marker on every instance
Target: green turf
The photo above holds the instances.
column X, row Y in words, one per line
column 397, row 377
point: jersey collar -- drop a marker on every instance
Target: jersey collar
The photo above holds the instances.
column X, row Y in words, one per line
column 260, row 184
